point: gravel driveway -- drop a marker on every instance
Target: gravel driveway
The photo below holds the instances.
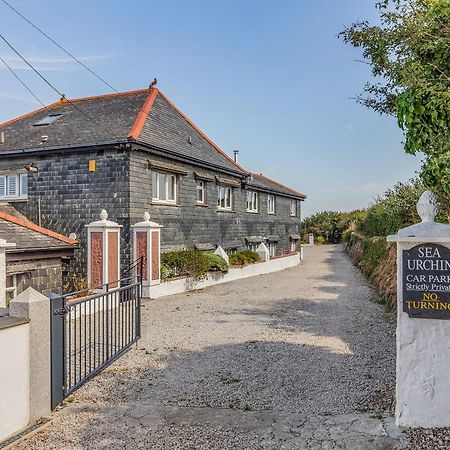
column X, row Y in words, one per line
column 301, row 359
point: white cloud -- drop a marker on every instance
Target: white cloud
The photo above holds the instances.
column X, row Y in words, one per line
column 50, row 64
column 19, row 98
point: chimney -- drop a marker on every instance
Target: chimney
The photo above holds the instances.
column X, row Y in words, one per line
column 236, row 156
column 2, row 137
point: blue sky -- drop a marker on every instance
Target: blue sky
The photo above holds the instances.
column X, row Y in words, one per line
column 269, row 78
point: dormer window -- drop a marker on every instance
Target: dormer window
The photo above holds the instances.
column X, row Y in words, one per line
column 51, row 118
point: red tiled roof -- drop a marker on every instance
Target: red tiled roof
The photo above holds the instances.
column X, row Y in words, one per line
column 31, row 226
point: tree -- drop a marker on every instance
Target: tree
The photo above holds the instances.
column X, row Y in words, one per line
column 409, row 54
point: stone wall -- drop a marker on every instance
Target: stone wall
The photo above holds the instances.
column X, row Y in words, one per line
column 43, row 275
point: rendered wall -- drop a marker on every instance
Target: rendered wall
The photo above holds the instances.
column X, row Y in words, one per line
column 15, row 378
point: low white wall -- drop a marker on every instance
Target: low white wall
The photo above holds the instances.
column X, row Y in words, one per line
column 188, row 284
column 14, row 377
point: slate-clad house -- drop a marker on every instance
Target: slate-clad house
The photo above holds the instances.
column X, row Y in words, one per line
column 134, row 152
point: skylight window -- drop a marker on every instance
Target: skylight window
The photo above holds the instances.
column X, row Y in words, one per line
column 51, row 118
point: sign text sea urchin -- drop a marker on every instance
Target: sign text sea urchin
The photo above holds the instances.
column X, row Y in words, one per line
column 426, row 281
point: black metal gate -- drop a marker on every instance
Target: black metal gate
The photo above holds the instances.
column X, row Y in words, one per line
column 89, row 333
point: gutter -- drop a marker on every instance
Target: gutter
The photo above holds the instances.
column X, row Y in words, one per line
column 37, row 151
column 273, row 191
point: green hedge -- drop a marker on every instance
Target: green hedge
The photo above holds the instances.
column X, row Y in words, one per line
column 243, row 258
column 190, row 263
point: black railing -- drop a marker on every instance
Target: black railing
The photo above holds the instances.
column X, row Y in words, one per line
column 135, row 268
column 90, row 333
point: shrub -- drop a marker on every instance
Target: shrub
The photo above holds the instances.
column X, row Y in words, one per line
column 216, row 262
column 375, row 250
column 190, row 263
column 396, row 209
column 250, row 256
column 243, row 258
column 320, row 240
column 236, row 259
column 166, row 273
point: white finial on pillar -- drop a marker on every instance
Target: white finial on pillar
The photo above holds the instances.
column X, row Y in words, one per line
column 146, row 217
column 428, row 206
column 103, row 214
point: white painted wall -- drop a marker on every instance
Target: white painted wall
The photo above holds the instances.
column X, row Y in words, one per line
column 188, row 284
column 423, row 345
column 14, row 379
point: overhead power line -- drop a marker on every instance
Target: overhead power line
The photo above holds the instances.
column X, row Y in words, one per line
column 46, row 108
column 22, row 82
column 51, row 85
column 59, row 46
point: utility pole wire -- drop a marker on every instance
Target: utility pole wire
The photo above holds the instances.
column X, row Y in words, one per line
column 53, row 87
column 46, row 108
column 22, row 82
column 59, row 46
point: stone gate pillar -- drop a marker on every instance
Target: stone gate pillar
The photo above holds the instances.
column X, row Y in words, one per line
column 423, row 320
column 147, row 244
column 103, row 252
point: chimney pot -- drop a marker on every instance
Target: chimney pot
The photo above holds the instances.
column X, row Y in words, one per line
column 236, row 156
column 2, row 137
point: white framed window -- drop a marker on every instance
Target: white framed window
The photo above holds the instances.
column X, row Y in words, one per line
column 11, row 288
column 164, row 187
column 252, row 201
column 293, row 208
column 201, row 191
column 252, row 246
column 224, row 197
column 272, row 249
column 13, row 186
column 271, row 204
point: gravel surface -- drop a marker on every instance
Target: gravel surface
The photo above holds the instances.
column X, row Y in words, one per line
column 305, row 342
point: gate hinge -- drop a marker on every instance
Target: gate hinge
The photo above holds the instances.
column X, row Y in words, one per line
column 61, row 311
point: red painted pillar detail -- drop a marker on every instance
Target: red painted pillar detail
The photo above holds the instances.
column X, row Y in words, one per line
column 113, row 257
column 155, row 255
column 96, row 259
column 141, row 250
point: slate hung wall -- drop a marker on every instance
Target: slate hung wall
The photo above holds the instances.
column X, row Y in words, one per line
column 70, row 196
column 187, row 223
column 134, row 131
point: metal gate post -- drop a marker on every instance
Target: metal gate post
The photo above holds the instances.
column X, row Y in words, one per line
column 57, row 343
column 138, row 304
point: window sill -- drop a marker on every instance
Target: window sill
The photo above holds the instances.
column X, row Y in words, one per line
column 15, row 200
column 203, row 205
column 252, row 212
column 156, row 203
column 271, row 214
column 225, row 210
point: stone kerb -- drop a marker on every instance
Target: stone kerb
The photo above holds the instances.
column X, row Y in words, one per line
column 3, row 246
column 147, row 245
column 423, row 320
column 103, row 252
